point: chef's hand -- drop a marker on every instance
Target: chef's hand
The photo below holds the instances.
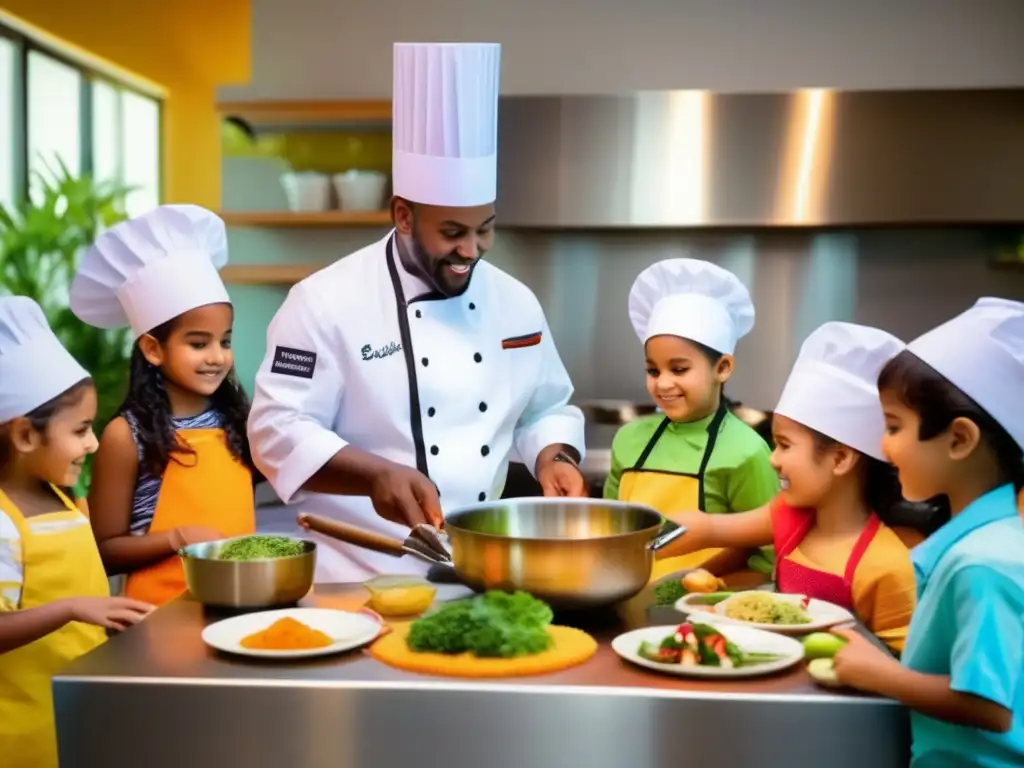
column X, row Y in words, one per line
column 117, row 613
column 862, row 664
column 404, row 495
column 559, row 478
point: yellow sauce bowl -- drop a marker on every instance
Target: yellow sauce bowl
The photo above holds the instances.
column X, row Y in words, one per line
column 396, row 596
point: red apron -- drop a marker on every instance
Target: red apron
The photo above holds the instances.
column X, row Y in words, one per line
column 789, row 527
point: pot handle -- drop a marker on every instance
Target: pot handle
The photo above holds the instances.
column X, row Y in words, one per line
column 351, row 534
column 666, row 538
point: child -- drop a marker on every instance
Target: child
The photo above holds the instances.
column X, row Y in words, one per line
column 689, row 314
column 955, row 429
column 174, row 467
column 828, row 524
column 54, row 600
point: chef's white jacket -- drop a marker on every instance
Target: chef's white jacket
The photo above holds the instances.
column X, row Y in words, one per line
column 450, row 386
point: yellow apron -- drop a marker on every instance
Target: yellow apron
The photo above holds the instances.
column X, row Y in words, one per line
column 210, row 488
column 60, row 560
column 670, row 492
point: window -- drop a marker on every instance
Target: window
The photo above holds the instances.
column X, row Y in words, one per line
column 8, row 89
column 54, row 118
column 52, row 108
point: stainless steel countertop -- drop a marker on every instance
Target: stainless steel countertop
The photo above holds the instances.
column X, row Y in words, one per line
column 185, row 703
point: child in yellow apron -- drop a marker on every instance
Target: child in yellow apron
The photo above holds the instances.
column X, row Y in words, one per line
column 694, row 455
column 838, row 526
column 174, row 467
column 54, row 600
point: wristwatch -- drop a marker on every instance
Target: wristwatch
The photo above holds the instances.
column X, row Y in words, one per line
column 565, row 458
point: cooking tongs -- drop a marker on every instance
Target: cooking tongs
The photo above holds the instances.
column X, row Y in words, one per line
column 423, row 542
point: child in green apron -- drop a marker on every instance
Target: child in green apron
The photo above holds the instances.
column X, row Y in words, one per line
column 694, row 454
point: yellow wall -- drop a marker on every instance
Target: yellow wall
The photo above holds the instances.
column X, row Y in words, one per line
column 188, row 47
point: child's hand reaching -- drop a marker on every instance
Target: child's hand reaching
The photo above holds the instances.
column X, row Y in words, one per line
column 193, row 534
column 117, row 613
column 861, row 664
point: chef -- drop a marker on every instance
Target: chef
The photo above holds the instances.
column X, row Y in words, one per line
column 399, row 380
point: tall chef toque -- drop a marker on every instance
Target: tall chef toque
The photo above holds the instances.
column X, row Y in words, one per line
column 445, row 123
column 981, row 351
column 34, row 366
column 150, row 269
column 833, row 387
column 694, row 300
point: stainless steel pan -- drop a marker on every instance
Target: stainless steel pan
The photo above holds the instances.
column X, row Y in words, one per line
column 572, row 553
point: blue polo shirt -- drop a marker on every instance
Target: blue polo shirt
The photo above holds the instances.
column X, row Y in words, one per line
column 969, row 625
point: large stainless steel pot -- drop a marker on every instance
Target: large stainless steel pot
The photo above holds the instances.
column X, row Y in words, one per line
column 571, row 553
column 247, row 583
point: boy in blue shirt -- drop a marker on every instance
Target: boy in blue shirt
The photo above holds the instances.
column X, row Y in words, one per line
column 955, row 429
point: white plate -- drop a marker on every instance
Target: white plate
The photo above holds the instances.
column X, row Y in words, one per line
column 349, row 630
column 823, row 615
column 751, row 640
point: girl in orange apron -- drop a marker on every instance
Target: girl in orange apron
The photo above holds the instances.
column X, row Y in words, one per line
column 174, row 467
column 828, row 525
column 54, row 599
column 689, row 315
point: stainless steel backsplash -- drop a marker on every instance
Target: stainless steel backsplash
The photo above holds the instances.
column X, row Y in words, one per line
column 902, row 281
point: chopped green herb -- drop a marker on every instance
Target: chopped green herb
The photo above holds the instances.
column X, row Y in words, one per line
column 492, row 625
column 668, row 592
column 261, row 548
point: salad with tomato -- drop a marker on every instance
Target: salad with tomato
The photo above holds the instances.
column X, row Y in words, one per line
column 694, row 645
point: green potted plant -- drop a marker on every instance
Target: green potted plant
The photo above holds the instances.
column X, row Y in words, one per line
column 40, row 243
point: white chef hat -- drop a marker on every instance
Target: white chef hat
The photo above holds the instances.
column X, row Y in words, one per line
column 693, row 299
column 981, row 351
column 34, row 366
column 833, row 387
column 445, row 123
column 150, row 269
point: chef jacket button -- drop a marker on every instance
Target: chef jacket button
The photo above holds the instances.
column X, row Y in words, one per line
column 472, row 305
column 431, row 411
column 483, row 407
column 434, row 450
column 425, row 362
column 418, row 313
column 482, row 496
column 484, row 451
column 478, row 357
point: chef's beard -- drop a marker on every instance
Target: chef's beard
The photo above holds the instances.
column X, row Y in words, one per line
column 434, row 269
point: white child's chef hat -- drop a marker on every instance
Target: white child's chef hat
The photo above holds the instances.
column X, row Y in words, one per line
column 150, row 269
column 34, row 366
column 693, row 299
column 981, row 351
column 445, row 123
column 833, row 387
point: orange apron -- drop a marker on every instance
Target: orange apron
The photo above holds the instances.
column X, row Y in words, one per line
column 60, row 560
column 210, row 488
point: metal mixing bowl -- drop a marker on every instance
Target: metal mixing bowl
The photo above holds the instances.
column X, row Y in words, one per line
column 247, row 583
column 572, row 553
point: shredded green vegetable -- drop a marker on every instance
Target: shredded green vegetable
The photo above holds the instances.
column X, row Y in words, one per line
column 260, row 548
column 492, row 625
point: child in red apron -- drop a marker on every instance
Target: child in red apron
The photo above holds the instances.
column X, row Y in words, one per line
column 828, row 523
column 955, row 431
column 54, row 598
column 174, row 467
column 694, row 454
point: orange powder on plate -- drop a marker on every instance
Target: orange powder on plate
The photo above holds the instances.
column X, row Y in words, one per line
column 286, row 634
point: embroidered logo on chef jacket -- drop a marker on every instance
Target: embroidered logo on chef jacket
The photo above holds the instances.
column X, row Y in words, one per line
column 518, row 342
column 369, row 353
column 294, row 362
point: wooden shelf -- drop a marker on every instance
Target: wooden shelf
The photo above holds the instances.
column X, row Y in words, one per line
column 267, row 274
column 293, row 220
column 290, row 113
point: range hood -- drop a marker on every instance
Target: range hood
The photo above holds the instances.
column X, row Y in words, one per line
column 818, row 158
